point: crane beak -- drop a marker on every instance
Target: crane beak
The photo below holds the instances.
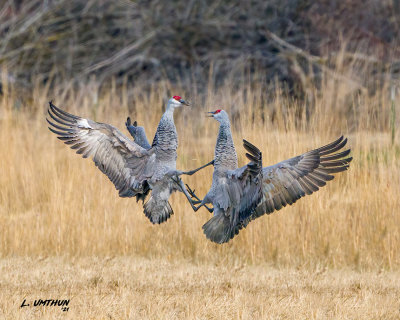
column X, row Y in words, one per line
column 212, row 114
column 184, row 102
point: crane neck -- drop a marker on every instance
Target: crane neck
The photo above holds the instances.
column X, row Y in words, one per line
column 225, row 154
column 166, row 139
column 169, row 113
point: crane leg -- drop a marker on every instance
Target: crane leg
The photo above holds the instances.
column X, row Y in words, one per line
column 189, row 173
column 193, row 195
column 189, row 198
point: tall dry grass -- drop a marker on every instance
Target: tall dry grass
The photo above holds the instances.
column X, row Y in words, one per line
column 52, row 202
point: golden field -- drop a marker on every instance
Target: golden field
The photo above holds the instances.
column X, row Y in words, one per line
column 65, row 233
column 141, row 288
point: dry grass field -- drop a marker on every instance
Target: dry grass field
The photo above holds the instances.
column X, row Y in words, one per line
column 65, row 233
column 140, row 288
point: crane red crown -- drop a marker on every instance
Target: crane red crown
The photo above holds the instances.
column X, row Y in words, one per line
column 217, row 111
column 177, row 97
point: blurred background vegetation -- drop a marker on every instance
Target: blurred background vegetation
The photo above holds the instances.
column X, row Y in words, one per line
column 285, row 43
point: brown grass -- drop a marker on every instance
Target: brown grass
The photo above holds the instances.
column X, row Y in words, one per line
column 52, row 202
column 139, row 288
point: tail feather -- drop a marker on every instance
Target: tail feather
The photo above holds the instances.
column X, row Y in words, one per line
column 218, row 229
column 157, row 211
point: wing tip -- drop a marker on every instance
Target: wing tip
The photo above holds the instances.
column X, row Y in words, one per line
column 251, row 148
column 60, row 113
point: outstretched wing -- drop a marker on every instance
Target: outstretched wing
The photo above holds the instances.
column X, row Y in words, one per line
column 237, row 198
column 138, row 134
column 249, row 179
column 125, row 163
column 287, row 181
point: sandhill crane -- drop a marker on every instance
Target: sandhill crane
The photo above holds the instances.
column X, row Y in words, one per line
column 239, row 195
column 134, row 168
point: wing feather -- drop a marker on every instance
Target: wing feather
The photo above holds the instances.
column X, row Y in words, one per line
column 138, row 134
column 244, row 193
column 120, row 159
column 286, row 182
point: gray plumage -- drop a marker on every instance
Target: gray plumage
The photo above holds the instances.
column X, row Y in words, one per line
column 225, row 157
column 234, row 190
column 240, row 195
column 134, row 168
column 165, row 140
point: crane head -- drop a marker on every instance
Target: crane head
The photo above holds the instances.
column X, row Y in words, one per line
column 177, row 101
column 219, row 115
